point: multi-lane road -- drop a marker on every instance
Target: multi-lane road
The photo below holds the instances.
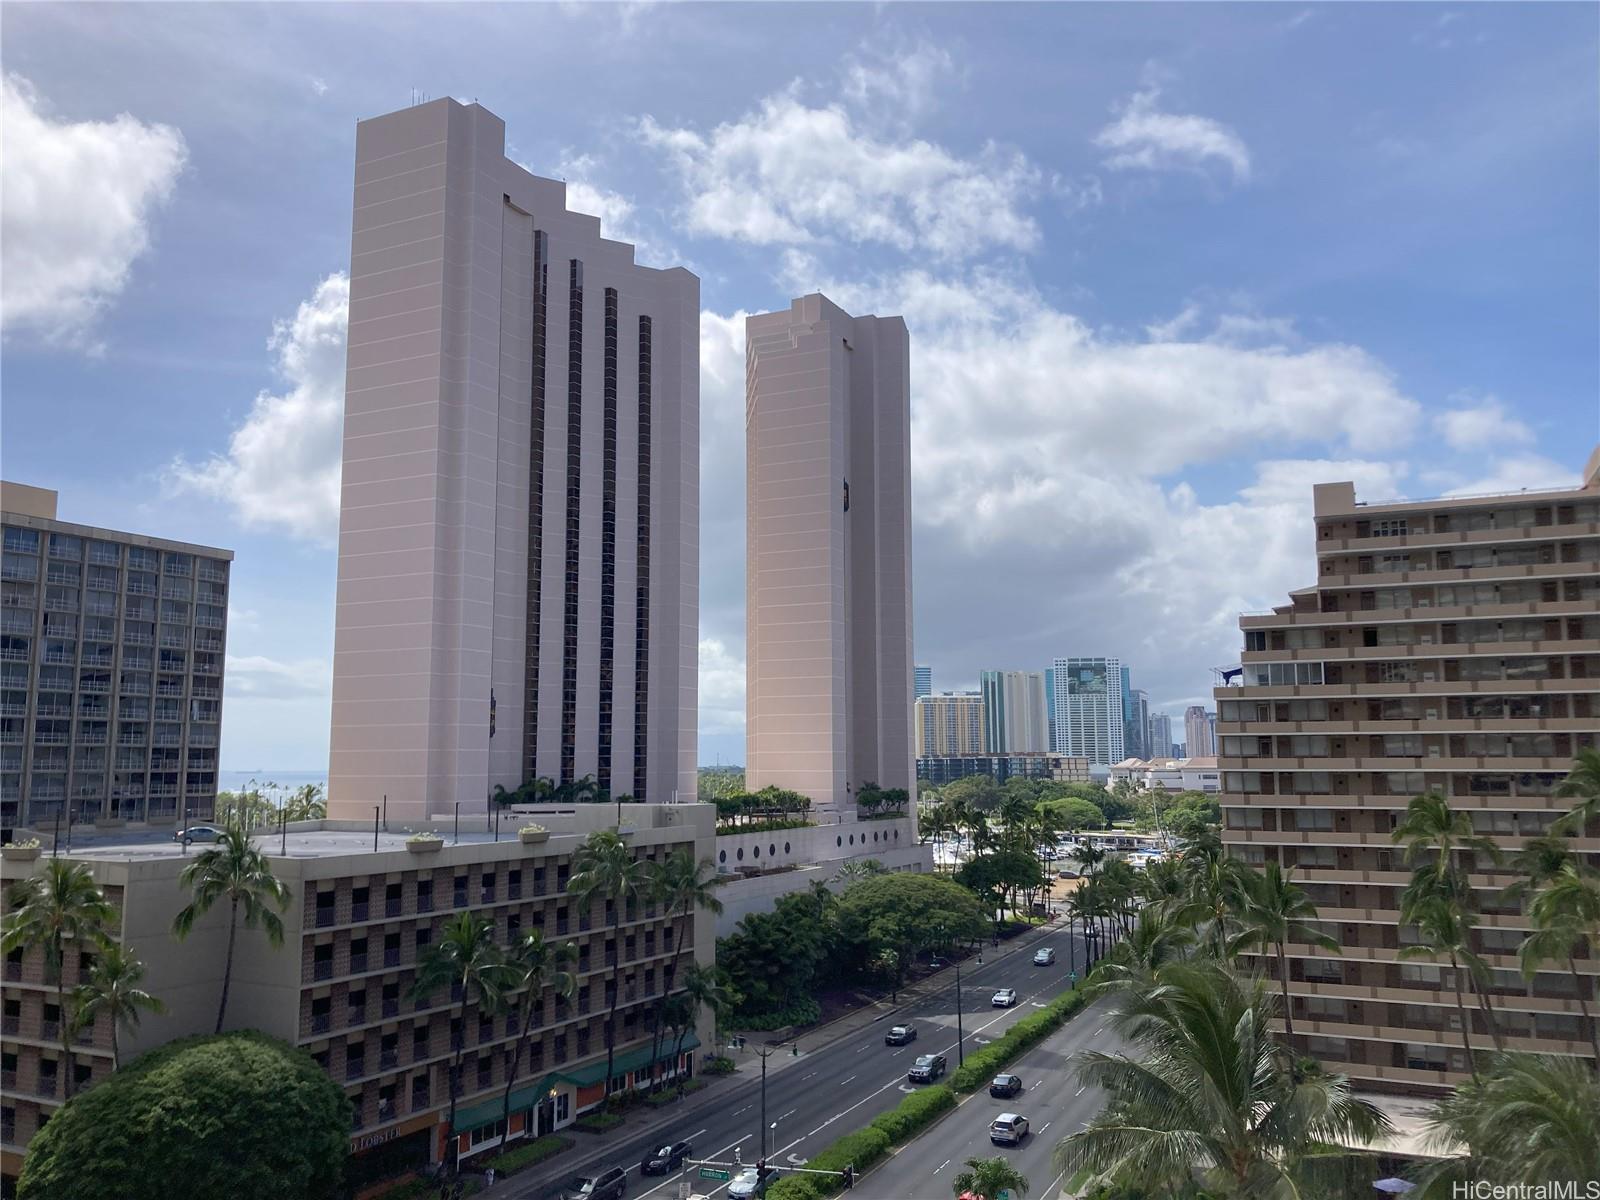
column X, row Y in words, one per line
column 1054, row 1101
column 840, row 1083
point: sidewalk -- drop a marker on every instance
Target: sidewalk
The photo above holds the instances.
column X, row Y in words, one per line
column 593, row 1146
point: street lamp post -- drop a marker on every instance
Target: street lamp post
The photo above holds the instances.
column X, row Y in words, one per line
column 961, row 1037
column 765, row 1053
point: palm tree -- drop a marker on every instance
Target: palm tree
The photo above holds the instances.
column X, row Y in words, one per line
column 854, row 870
column 1446, row 931
column 1582, row 782
column 1216, row 890
column 1276, row 912
column 113, row 988
column 683, row 886
column 1157, row 938
column 1433, row 830
column 989, row 1179
column 1566, row 918
column 703, row 987
column 532, row 964
column 235, row 870
column 1530, row 1119
column 605, row 868
column 467, row 959
column 62, row 904
column 1538, row 862
column 307, row 804
column 1163, row 884
column 1215, row 1098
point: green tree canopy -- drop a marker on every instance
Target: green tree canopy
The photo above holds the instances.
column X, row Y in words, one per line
column 773, row 958
column 898, row 912
column 238, row 1114
column 976, row 792
column 1074, row 812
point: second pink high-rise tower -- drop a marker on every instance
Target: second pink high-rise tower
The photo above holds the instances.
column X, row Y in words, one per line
column 828, row 574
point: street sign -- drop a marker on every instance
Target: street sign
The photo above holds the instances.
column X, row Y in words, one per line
column 715, row 1173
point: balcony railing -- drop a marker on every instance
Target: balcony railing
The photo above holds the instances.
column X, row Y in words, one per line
column 321, row 1022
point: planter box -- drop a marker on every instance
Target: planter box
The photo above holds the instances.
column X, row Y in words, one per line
column 19, row 853
column 534, row 838
column 428, row 846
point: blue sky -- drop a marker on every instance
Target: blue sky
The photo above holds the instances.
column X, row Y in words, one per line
column 1164, row 268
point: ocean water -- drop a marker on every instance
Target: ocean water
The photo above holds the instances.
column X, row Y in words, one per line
column 286, row 781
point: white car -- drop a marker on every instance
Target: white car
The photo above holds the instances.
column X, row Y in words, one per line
column 1044, row 957
column 751, row 1182
column 1004, row 998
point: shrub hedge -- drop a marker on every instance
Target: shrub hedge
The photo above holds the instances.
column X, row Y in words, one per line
column 526, row 1156
column 805, row 1011
column 718, row 1064
column 982, row 1065
column 915, row 1113
column 597, row 1122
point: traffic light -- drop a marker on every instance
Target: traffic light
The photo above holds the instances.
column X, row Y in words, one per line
column 849, row 1176
column 761, row 1165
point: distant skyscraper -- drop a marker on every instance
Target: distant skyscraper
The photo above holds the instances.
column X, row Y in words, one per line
column 1087, row 712
column 828, row 562
column 951, row 724
column 1198, row 738
column 1160, row 736
column 1137, row 734
column 923, row 676
column 1015, row 720
column 518, row 588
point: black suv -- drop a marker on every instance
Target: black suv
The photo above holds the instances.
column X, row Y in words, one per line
column 926, row 1069
column 1005, row 1086
column 609, row 1184
column 900, row 1035
column 663, row 1160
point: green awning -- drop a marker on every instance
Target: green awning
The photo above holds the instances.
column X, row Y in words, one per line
column 486, row 1111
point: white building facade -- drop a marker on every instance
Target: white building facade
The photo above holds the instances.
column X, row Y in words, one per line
column 1014, row 714
column 1087, row 716
column 519, row 514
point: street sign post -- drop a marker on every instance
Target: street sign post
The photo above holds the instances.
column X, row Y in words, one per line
column 715, row 1173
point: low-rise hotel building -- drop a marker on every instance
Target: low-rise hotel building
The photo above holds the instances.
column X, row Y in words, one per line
column 339, row 987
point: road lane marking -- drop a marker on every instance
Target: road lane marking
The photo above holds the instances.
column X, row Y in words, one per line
column 805, row 1077
column 1045, row 1126
column 842, row 1082
column 1080, row 1091
column 788, row 1114
column 941, row 1166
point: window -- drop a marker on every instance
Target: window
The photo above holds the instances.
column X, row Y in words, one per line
column 641, row 636
column 574, row 489
column 541, row 308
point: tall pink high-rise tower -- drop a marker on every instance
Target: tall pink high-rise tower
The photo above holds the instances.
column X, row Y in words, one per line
column 828, row 575
column 519, row 518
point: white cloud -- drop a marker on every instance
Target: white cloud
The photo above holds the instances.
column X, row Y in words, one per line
column 615, row 210
column 261, row 678
column 1484, row 425
column 281, row 470
column 77, row 200
column 1145, row 138
column 791, row 174
column 905, row 82
column 721, row 688
column 1518, row 473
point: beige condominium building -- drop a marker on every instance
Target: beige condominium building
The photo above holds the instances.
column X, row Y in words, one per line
column 111, row 658
column 340, row 985
column 1447, row 645
column 828, row 570
column 951, row 723
column 1016, row 719
column 519, row 515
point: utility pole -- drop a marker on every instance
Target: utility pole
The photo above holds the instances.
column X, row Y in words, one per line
column 961, row 1037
